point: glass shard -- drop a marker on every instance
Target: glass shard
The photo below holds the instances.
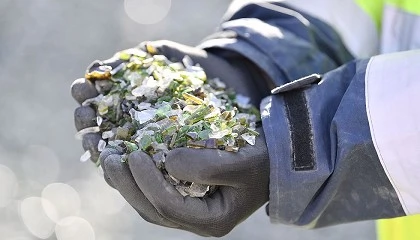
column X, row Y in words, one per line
column 101, row 145
column 148, row 103
column 250, row 139
column 85, row 157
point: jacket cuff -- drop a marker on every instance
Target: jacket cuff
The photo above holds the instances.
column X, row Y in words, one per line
column 280, row 54
column 324, row 169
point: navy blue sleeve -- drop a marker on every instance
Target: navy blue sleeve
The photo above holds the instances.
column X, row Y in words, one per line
column 282, row 42
column 324, row 169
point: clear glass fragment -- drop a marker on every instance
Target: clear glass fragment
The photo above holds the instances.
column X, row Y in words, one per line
column 250, row 139
column 219, row 134
column 85, row 157
column 101, row 145
column 99, row 120
column 107, row 134
column 197, row 190
column 145, row 115
column 243, row 101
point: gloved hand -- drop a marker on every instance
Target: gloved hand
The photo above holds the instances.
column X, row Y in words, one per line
column 85, row 116
column 243, row 178
column 239, row 75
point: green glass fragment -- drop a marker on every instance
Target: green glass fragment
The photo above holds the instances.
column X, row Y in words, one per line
column 131, row 147
column 198, row 114
column 145, row 142
column 124, row 56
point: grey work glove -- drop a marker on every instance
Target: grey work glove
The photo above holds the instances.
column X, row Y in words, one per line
column 238, row 74
column 242, row 178
column 85, row 116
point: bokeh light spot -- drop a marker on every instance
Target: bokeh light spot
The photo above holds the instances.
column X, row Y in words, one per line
column 35, row 213
column 111, row 200
column 65, row 199
column 74, row 228
column 147, row 11
column 8, row 185
column 21, row 238
column 40, row 163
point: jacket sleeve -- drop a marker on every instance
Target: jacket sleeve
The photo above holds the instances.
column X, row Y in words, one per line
column 282, row 42
column 343, row 149
column 347, row 149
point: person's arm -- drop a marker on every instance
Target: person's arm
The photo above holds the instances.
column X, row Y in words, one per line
column 311, row 136
column 286, row 44
column 327, row 155
column 347, row 149
column 245, row 53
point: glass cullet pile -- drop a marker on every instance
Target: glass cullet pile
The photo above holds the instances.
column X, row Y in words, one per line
column 151, row 104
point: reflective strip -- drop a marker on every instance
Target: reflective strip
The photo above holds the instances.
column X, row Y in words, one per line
column 393, row 109
column 356, row 28
column 400, row 30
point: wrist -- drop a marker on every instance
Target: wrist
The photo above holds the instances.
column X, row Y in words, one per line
column 254, row 76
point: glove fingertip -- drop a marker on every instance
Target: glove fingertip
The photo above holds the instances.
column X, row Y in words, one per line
column 137, row 155
column 106, row 153
column 138, row 160
column 90, row 143
column 81, row 89
column 84, row 117
column 112, row 165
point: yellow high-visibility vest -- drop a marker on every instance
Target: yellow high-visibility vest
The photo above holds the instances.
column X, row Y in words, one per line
column 403, row 228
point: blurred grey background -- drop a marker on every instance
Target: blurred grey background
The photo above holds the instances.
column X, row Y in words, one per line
column 45, row 192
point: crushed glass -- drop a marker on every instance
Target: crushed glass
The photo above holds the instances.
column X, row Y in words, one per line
column 151, row 104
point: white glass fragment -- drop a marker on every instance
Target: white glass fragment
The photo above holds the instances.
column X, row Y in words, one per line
column 79, row 135
column 145, row 115
column 143, row 106
column 94, row 100
column 99, row 120
column 250, row 139
column 86, row 156
column 107, row 134
column 101, row 145
column 219, row 134
column 243, row 101
column 188, row 62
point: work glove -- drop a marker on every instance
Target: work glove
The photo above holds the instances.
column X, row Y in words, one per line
column 85, row 116
column 238, row 74
column 242, row 177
